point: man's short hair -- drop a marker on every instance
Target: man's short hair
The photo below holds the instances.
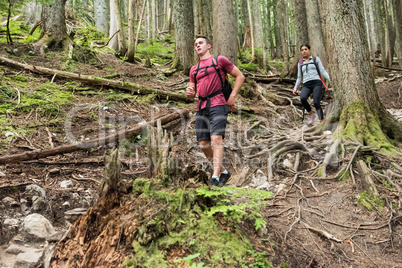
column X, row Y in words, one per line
column 203, row 36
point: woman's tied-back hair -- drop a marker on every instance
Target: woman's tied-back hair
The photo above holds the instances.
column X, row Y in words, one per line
column 203, row 36
column 305, row 45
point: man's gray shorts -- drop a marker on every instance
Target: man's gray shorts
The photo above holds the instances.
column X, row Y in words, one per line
column 214, row 124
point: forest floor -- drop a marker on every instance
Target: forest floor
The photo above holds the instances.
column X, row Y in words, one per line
column 311, row 221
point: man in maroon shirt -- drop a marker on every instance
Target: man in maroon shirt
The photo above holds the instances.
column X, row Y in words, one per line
column 211, row 116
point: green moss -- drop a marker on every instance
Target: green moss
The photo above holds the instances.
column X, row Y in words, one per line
column 344, row 175
column 249, row 66
column 319, row 171
column 369, row 201
column 359, row 123
column 183, row 223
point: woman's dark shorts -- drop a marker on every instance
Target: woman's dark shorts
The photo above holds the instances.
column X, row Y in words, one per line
column 214, row 124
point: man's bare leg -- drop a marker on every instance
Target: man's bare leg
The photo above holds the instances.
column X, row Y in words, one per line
column 215, row 154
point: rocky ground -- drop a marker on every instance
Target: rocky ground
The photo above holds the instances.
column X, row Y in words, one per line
column 311, row 221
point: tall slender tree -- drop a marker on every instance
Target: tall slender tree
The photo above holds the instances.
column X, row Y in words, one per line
column 258, row 31
column 397, row 8
column 101, row 13
column 357, row 101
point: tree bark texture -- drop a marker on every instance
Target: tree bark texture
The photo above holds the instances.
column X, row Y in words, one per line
column 32, row 12
column 121, row 40
column 269, row 26
column 301, row 26
column 224, row 31
column 258, row 31
column 315, row 31
column 350, row 70
column 277, row 32
column 114, row 26
column 101, row 13
column 184, row 31
column 397, row 8
column 131, row 31
column 54, row 29
column 284, row 33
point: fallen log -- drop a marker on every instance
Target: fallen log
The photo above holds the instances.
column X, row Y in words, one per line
column 93, row 80
column 102, row 141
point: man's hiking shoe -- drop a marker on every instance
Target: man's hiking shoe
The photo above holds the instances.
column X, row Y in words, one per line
column 224, row 178
column 310, row 118
column 213, row 182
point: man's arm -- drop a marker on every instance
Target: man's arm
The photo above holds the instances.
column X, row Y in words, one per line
column 236, row 88
column 190, row 91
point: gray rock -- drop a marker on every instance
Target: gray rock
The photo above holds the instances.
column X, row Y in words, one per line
column 16, row 249
column 18, row 239
column 10, row 202
column 10, row 222
column 54, row 171
column 37, row 203
column 66, row 184
column 66, row 205
column 29, row 259
column 34, row 189
column 73, row 214
column 37, row 228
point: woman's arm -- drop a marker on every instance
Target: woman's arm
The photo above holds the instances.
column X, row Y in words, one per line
column 322, row 70
column 298, row 81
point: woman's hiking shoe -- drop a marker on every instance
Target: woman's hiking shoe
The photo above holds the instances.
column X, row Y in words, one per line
column 214, row 182
column 224, row 178
column 310, row 118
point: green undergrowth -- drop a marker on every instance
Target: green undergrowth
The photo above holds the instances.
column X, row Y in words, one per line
column 370, row 202
column 159, row 52
column 188, row 219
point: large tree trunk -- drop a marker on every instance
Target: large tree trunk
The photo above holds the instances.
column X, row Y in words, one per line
column 355, row 92
column 184, row 30
column 258, row 32
column 314, row 31
column 54, row 29
column 397, row 8
column 224, row 31
column 32, row 12
column 301, row 26
column 101, row 13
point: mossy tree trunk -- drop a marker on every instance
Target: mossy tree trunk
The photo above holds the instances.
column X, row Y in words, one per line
column 54, row 29
column 362, row 115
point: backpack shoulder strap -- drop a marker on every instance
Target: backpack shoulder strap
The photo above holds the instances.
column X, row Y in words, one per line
column 215, row 65
column 195, row 74
column 316, row 66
